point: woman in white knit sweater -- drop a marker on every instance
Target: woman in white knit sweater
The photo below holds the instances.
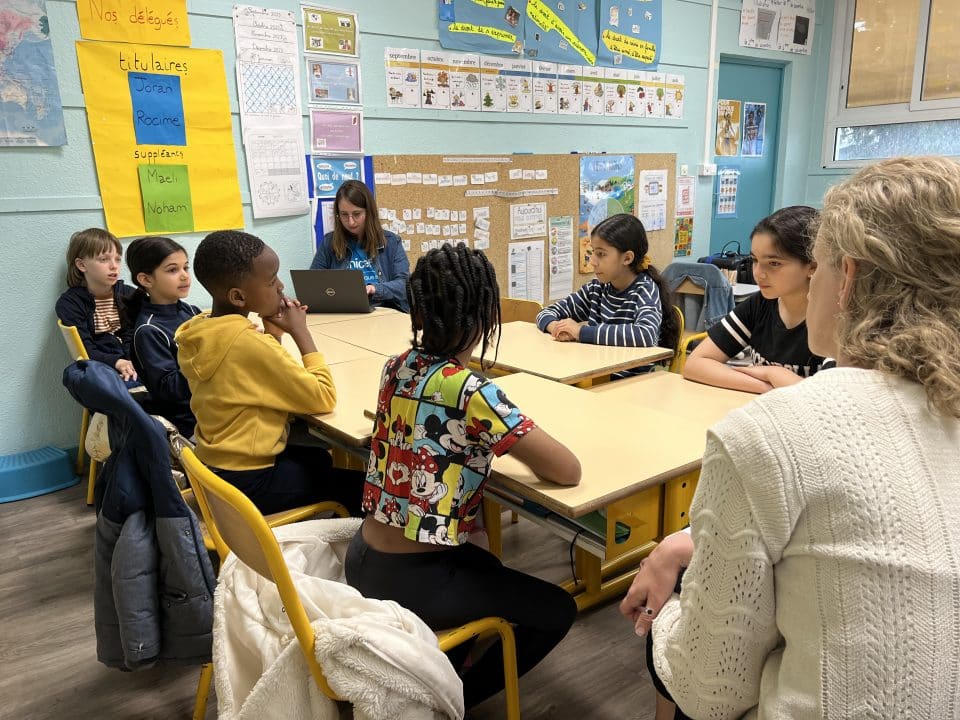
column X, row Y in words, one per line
column 823, row 563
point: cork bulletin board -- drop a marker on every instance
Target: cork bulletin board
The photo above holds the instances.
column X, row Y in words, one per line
column 495, row 202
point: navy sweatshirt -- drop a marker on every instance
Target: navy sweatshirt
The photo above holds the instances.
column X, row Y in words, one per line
column 155, row 358
column 76, row 306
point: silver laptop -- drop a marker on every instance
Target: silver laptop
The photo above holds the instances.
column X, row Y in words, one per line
column 331, row 291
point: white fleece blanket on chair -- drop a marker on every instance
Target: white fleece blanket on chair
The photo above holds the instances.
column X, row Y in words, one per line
column 379, row 656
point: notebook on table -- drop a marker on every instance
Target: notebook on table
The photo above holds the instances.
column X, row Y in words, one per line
column 331, row 291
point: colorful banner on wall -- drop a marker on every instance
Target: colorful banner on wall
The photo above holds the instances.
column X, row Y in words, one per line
column 623, row 34
column 630, row 33
column 606, row 188
column 451, row 81
column 162, row 137
column 157, row 22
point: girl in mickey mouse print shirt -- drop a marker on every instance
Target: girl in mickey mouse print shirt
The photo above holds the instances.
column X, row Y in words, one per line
column 438, row 427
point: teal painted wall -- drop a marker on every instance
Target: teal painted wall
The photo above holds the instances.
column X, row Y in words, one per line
column 47, row 193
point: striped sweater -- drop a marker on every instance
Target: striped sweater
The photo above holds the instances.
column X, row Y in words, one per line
column 628, row 318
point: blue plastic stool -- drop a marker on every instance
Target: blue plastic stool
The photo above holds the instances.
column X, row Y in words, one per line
column 36, row 472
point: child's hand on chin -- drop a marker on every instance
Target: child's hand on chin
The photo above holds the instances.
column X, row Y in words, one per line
column 271, row 324
column 291, row 318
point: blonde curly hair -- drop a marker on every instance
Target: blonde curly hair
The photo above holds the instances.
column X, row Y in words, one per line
column 900, row 221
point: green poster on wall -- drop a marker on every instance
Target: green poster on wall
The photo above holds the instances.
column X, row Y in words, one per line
column 167, row 204
column 329, row 31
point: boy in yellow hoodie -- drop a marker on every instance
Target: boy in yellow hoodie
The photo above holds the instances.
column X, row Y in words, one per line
column 245, row 386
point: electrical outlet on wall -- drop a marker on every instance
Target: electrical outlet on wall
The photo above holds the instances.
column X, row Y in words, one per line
column 707, row 169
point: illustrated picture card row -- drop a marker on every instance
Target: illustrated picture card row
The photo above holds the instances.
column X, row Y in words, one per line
column 442, row 80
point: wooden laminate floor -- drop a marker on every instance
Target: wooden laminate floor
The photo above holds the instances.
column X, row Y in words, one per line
column 49, row 670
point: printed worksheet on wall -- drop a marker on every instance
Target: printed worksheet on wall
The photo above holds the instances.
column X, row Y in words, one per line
column 464, row 81
column 268, row 68
column 402, row 73
column 435, row 78
column 544, row 87
column 615, row 92
column 591, row 102
column 268, row 90
column 560, row 237
column 636, row 105
column 674, row 89
column 519, row 86
column 652, row 197
column 525, row 270
column 569, row 90
column 493, row 83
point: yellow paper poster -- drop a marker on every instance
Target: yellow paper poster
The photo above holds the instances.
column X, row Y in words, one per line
column 728, row 127
column 158, row 22
column 640, row 50
column 164, row 106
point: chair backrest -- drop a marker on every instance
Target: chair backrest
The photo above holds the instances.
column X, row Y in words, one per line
column 236, row 524
column 74, row 344
column 512, row 310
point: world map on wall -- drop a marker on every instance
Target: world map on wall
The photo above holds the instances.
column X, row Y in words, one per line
column 30, row 110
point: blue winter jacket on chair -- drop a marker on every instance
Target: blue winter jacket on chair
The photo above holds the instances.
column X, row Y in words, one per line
column 154, row 583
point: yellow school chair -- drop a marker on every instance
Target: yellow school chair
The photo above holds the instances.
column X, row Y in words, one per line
column 684, row 338
column 237, row 526
column 512, row 310
column 197, row 500
column 78, row 352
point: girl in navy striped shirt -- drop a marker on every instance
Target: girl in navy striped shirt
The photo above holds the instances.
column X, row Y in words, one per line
column 628, row 302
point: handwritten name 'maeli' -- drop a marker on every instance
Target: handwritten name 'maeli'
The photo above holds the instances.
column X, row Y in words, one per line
column 157, row 175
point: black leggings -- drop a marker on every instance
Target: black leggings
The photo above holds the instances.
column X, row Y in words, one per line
column 447, row 588
column 301, row 475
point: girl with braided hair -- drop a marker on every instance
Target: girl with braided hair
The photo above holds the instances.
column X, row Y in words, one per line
column 438, row 427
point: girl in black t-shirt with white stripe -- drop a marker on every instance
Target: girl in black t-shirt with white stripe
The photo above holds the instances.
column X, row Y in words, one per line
column 769, row 327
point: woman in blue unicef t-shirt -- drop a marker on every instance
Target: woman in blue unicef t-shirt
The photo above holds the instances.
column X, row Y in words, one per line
column 359, row 243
